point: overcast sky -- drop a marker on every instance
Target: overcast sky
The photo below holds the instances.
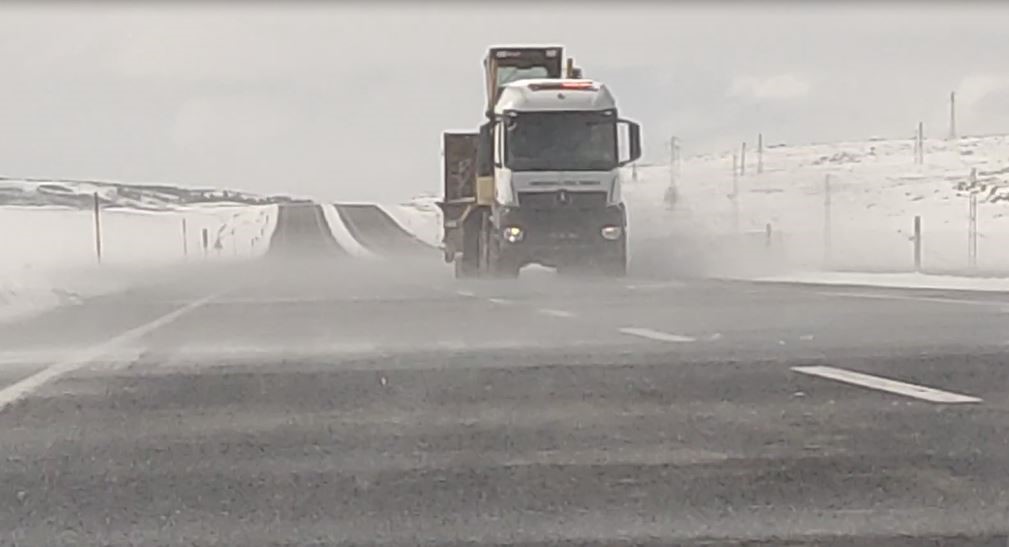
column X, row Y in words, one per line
column 347, row 102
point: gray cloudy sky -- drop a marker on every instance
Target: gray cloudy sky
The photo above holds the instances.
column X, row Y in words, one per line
column 348, row 101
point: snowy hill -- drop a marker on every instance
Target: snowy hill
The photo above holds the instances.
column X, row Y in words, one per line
column 80, row 194
column 875, row 191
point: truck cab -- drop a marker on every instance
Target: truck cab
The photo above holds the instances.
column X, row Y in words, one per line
column 553, row 150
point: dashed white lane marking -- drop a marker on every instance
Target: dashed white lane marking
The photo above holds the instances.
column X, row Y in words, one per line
column 656, row 335
column 661, row 285
column 885, row 384
column 935, row 299
column 467, row 294
column 499, row 301
column 19, row 389
column 556, row 313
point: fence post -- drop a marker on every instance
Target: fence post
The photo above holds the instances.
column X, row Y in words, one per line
column 98, row 230
column 185, row 240
column 920, row 140
column 827, row 222
column 972, row 232
column 742, row 160
column 917, row 243
column 206, row 243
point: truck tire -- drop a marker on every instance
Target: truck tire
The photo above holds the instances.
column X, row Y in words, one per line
column 462, row 270
column 467, row 264
column 501, row 264
column 568, row 269
column 615, row 265
column 486, row 246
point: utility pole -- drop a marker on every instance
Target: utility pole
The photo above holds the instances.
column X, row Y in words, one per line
column 919, row 144
column 760, row 153
column 675, row 160
column 98, row 230
column 674, row 171
column 735, row 193
column 742, row 160
column 916, row 147
column 952, row 115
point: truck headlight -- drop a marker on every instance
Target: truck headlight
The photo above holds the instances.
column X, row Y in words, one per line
column 513, row 234
column 612, row 233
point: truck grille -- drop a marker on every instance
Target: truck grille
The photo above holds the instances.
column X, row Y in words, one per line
column 561, row 199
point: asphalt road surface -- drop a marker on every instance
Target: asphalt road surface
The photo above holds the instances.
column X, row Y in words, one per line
column 295, row 401
column 377, row 231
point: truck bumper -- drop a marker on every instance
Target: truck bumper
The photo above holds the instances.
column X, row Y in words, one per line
column 557, row 237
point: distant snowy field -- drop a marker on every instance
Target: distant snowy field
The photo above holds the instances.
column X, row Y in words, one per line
column 48, row 253
column 876, row 190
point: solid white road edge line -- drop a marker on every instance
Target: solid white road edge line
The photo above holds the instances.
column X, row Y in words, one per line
column 17, row 390
column 660, row 285
column 935, row 299
column 656, row 335
column 342, row 235
column 885, row 384
column 556, row 313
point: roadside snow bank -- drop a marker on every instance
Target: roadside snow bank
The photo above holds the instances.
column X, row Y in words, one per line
column 421, row 217
column 48, row 254
column 893, row 280
column 27, row 291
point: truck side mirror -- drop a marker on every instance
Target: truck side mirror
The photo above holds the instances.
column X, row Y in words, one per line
column 498, row 138
column 633, row 142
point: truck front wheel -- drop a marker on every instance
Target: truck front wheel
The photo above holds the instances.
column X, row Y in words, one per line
column 615, row 264
column 467, row 263
column 502, row 263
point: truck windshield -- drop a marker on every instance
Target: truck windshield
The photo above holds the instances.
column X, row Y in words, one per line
column 509, row 74
column 561, row 141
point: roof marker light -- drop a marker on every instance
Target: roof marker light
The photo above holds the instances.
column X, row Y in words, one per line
column 578, row 86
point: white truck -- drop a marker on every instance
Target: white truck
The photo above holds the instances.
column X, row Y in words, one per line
column 540, row 182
